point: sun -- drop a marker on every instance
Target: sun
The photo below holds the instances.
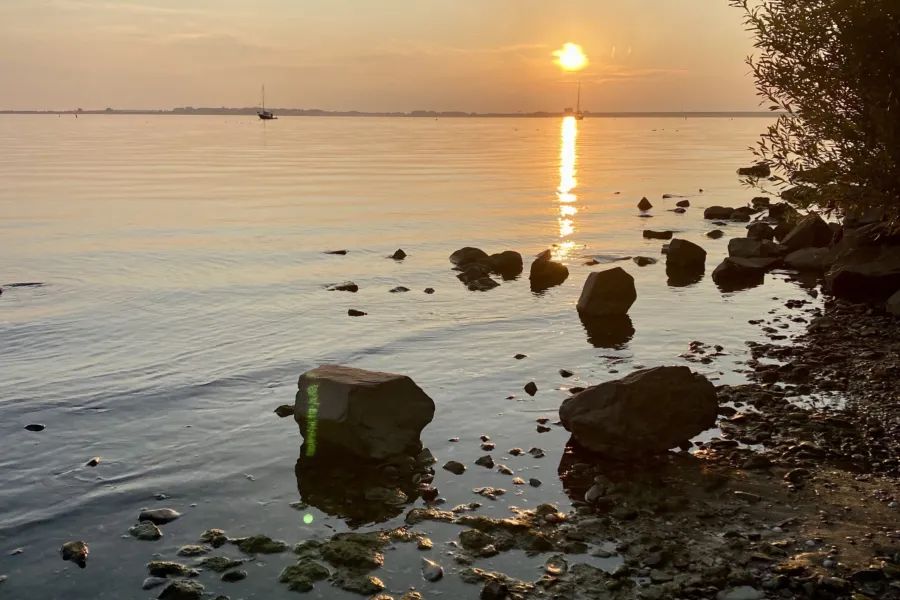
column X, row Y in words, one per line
column 570, row 57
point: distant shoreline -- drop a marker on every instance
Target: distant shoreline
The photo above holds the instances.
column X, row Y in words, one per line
column 295, row 112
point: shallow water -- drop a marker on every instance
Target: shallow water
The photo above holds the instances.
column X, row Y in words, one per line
column 184, row 292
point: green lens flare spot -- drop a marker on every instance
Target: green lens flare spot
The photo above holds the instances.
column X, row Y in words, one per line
column 307, row 518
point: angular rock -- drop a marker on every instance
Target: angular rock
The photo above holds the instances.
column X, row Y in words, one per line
column 810, row 232
column 683, row 203
column 356, row 313
column 643, row 261
column 685, row 255
column 261, row 544
column 715, row 234
column 467, row 256
column 399, row 289
column 607, row 293
column 751, row 248
column 647, row 412
column 734, row 269
column 811, row 259
column 482, row 285
column 398, row 255
column 431, row 571
column 718, row 212
column 370, row 414
column 457, row 468
column 657, row 235
column 867, row 282
column 531, row 388
column 760, row 231
column 546, row 273
column 644, row 204
column 76, row 552
column 347, row 286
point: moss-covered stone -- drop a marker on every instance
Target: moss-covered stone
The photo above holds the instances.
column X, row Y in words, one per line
column 220, row 564
column 214, row 537
column 307, row 549
column 261, row 544
column 418, row 515
column 164, row 568
column 358, row 583
column 302, row 576
column 472, row 539
column 348, row 553
column 182, row 590
column 194, row 550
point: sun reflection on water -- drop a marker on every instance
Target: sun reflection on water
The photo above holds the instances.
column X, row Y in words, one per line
column 567, row 184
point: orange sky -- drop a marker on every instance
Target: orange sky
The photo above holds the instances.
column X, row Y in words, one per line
column 384, row 55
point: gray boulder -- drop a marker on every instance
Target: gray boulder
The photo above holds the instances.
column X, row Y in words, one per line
column 750, row 248
column 760, row 231
column 607, row 293
column 467, row 256
column 683, row 254
column 648, row 412
column 810, row 232
column 366, row 413
column 718, row 212
column 893, row 304
column 811, row 259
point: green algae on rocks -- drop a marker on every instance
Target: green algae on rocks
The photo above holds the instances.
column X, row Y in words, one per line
column 260, row 544
column 300, row 577
column 220, row 564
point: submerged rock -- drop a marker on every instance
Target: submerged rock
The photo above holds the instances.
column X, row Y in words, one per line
column 302, row 576
column 260, row 544
column 657, row 235
column 473, row 272
column 355, row 550
column 482, row 285
column 484, row 461
column 752, row 248
column 736, row 273
column 159, row 516
column 153, row 582
column 214, row 537
column 647, row 412
column 182, row 590
column 715, row 234
column 508, row 264
column 683, row 203
column 193, row 550
column 356, row 313
column 643, row 261
column 607, row 293
column 339, row 252
column 398, row 255
column 399, row 289
column 758, row 170
column 165, row 568
column 546, row 273
column 145, row 530
column 285, row 410
column 760, row 231
column 718, row 212
column 76, row 552
column 220, row 564
column 347, row 286
column 431, row 571
column 35, row 427
column 531, row 388
column 370, row 414
column 467, row 256
column 233, row 576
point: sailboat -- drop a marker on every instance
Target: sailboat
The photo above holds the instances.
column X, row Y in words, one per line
column 265, row 115
column 579, row 116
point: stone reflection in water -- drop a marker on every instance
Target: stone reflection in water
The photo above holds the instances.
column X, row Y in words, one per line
column 608, row 332
column 682, row 277
column 358, row 491
column 746, row 283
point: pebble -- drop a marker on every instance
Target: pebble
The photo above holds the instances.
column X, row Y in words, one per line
column 35, row 427
column 425, row 544
column 145, row 530
column 429, row 290
column 431, row 571
column 516, row 452
column 565, row 373
column 485, row 438
column 518, row 481
column 533, row 482
column 503, row 469
column 399, row 289
column 485, row 461
column 531, row 388
column 488, row 446
column 457, row 468
column 159, row 516
column 76, row 552
column 520, row 356
column 542, row 429
column 356, row 313
column 93, row 462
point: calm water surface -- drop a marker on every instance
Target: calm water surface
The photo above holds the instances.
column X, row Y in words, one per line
column 184, row 270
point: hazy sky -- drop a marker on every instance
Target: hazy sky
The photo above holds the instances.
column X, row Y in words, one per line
column 472, row 55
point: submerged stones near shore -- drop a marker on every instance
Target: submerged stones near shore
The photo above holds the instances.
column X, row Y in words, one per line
column 718, row 212
column 159, row 516
column 181, row 589
column 387, row 412
column 607, row 293
column 685, row 255
column 476, row 267
column 647, row 412
column 145, row 530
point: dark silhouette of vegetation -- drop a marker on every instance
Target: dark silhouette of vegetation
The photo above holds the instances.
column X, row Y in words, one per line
column 833, row 68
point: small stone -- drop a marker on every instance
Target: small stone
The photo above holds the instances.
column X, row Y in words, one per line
column 425, row 544
column 504, row 470
column 488, row 446
column 145, row 530
column 429, row 290
column 192, row 550
column 457, row 468
column 214, row 537
column 399, row 289
column 398, row 255
column 261, row 544
column 494, row 590
column 485, row 461
column 536, row 452
column 153, row 582
column 542, row 429
column 715, row 234
column 347, row 286
column 159, row 516
column 531, row 388
column 356, row 313
column 431, row 571
column 165, row 568
column 518, row 481
column 220, row 564
column 565, row 373
column 35, row 427
column 520, row 356
column 93, row 462
column 534, row 482
column 75, row 552
column 233, row 576
column 644, row 204
column 339, row 252
column 429, row 494
column 516, row 452
column 285, row 410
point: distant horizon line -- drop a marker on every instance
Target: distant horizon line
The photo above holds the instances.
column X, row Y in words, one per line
column 313, row 112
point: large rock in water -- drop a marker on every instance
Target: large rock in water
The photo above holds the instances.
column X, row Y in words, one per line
column 467, row 256
column 648, row 412
column 751, row 248
column 508, row 264
column 607, row 293
column 735, row 273
column 867, row 282
column 367, row 413
column 810, row 232
column 811, row 259
column 718, row 212
column 546, row 273
column 685, row 255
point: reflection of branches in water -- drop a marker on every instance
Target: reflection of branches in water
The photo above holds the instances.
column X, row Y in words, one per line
column 608, row 332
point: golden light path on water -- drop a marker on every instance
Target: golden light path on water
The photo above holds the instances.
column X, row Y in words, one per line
column 567, row 184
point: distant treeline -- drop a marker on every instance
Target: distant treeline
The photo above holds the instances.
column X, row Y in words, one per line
column 300, row 112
